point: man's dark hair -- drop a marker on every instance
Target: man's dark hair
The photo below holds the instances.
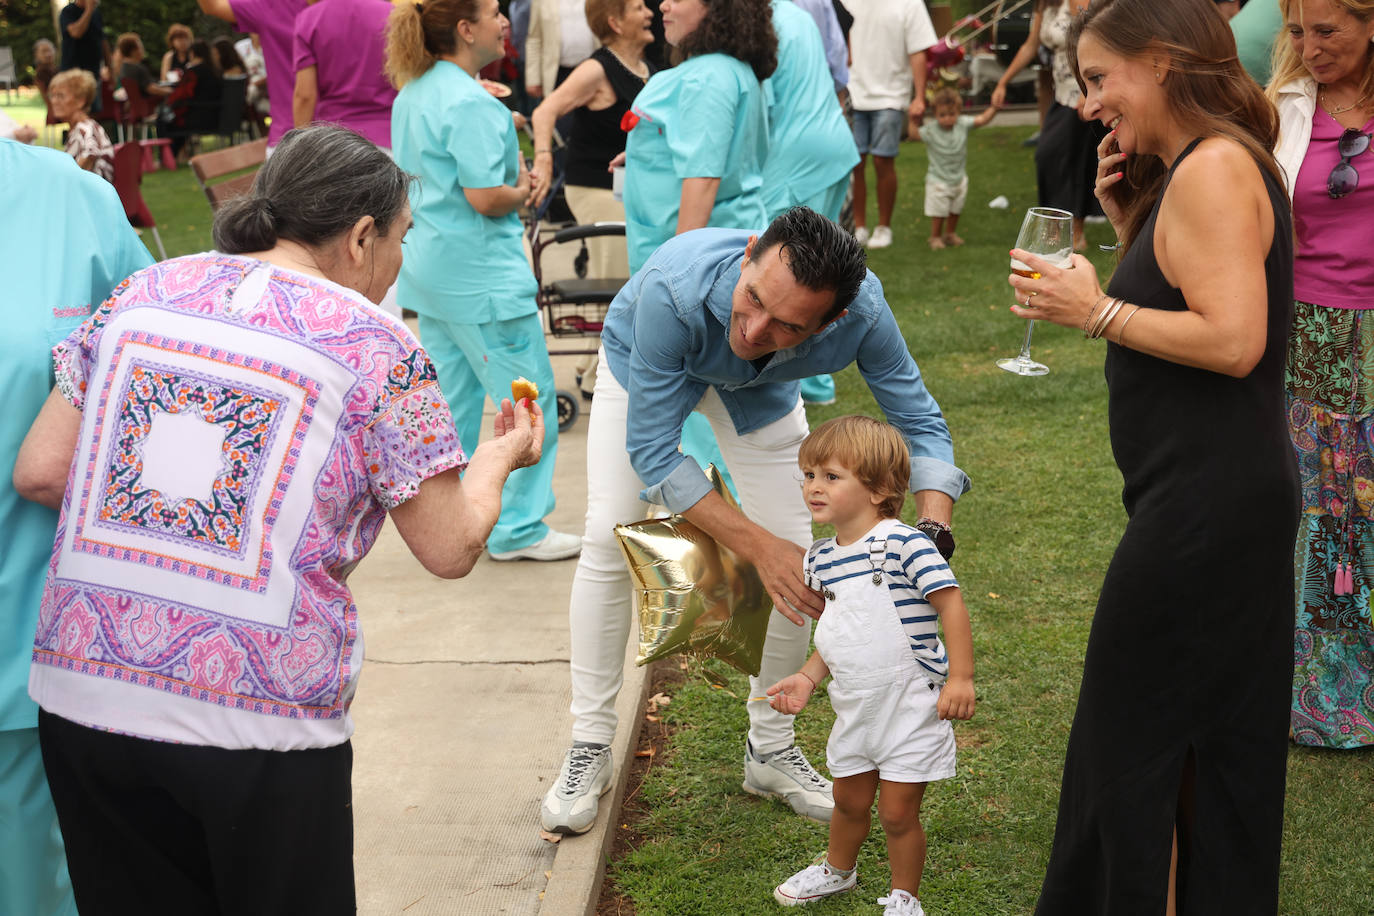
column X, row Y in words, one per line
column 820, row 254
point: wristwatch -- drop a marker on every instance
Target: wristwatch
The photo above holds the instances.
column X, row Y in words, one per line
column 940, row 533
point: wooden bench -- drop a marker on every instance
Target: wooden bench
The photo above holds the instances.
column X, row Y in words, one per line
column 211, row 167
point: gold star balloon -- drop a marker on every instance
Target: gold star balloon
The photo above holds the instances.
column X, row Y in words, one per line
column 695, row 596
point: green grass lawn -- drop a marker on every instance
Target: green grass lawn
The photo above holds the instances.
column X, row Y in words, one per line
column 174, row 198
column 1034, row 535
column 1034, row 538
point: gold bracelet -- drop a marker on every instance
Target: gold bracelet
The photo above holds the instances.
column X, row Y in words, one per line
column 1121, row 333
column 1089, row 317
column 1107, row 315
column 543, row 152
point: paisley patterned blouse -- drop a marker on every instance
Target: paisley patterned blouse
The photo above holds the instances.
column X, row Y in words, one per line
column 244, row 430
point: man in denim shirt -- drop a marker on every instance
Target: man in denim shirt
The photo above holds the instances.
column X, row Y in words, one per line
column 726, row 323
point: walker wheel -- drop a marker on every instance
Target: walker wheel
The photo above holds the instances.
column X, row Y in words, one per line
column 568, row 409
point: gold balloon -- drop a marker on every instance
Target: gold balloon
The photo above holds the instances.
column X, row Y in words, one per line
column 695, row 596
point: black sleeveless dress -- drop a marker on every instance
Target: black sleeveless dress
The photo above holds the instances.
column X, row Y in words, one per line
column 597, row 137
column 1183, row 711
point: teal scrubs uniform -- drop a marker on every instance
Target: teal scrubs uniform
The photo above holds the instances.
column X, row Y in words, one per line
column 467, row 277
column 79, row 247
column 811, row 150
column 704, row 118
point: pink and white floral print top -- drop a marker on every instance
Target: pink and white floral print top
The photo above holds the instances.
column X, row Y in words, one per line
column 244, row 430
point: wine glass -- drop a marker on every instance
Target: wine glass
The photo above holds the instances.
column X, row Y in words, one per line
column 1046, row 232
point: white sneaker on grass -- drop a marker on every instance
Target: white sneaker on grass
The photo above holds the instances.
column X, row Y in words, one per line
column 861, row 234
column 554, row 545
column 788, row 775
column 900, row 903
column 571, row 804
column 882, row 237
column 812, row 883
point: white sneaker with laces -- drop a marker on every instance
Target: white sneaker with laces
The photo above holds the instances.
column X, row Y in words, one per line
column 861, row 234
column 571, row 803
column 900, row 903
column 555, row 545
column 812, row 883
column 882, row 237
column 788, row 775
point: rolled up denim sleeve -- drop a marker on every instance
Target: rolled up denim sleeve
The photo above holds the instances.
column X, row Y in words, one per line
column 660, row 397
column 895, row 380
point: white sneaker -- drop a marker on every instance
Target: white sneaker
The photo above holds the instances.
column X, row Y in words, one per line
column 882, row 237
column 812, row 883
column 571, row 803
column 788, row 775
column 861, row 234
column 900, row 903
column 555, row 545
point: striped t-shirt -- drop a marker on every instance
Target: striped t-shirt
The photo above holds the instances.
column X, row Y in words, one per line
column 912, row 568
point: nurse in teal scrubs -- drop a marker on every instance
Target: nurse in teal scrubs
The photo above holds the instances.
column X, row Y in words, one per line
column 695, row 154
column 79, row 249
column 465, row 272
column 811, row 149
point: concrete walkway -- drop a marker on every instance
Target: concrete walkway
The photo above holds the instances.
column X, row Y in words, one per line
column 462, row 722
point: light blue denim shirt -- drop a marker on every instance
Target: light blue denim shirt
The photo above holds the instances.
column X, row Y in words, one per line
column 667, row 338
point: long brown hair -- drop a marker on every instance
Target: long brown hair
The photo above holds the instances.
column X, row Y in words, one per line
column 1288, row 64
column 1207, row 90
column 417, row 34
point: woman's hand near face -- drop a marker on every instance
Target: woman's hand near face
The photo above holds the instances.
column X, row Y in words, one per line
column 1111, row 165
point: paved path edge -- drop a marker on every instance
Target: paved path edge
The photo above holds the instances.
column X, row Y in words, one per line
column 579, row 865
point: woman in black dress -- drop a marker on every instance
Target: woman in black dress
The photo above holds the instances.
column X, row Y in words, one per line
column 1180, row 736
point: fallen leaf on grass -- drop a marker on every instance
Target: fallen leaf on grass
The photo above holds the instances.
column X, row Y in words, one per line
column 993, row 595
column 647, row 752
column 653, row 719
column 659, row 700
column 550, row 837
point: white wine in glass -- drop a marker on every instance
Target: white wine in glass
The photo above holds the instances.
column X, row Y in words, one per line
column 1046, row 232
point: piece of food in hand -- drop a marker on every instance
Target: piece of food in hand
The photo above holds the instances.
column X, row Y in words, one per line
column 524, row 388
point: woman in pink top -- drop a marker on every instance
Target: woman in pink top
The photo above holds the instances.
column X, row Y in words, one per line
column 274, row 23
column 338, row 57
column 1323, row 85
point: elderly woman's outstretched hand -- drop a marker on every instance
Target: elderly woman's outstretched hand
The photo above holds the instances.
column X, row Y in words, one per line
column 1063, row 295
column 520, row 429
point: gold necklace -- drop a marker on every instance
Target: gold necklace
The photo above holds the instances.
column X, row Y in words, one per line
column 1351, row 107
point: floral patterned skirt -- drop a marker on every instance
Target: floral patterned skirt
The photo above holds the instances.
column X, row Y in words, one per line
column 1330, row 382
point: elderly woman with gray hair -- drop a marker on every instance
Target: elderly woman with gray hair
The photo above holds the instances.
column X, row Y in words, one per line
column 237, row 426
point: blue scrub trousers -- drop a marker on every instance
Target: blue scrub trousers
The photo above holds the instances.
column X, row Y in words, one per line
column 33, row 861
column 479, row 361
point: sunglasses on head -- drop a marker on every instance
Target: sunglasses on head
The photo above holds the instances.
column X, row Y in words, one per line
column 1343, row 178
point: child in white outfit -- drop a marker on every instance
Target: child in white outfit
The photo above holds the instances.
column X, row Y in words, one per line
column 946, row 143
column 896, row 686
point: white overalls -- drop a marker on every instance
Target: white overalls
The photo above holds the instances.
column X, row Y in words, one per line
column 885, row 702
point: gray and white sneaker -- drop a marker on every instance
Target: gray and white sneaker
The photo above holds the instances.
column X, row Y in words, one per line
column 788, row 775
column 812, row 883
column 571, row 803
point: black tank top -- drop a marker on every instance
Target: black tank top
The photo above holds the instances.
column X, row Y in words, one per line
column 596, row 135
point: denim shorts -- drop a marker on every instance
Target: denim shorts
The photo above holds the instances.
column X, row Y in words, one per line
column 879, row 132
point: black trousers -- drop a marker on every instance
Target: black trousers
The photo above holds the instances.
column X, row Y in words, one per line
column 157, row 828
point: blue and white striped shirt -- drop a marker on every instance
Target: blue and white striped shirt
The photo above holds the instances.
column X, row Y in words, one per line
column 912, row 568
